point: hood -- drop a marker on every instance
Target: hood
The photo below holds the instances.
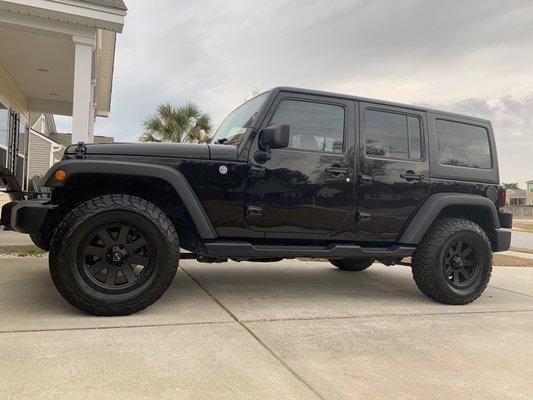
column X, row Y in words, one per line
column 175, row 150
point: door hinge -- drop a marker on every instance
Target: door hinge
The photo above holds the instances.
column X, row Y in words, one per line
column 363, row 216
column 254, row 211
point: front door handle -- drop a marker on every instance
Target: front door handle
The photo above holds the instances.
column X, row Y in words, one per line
column 410, row 176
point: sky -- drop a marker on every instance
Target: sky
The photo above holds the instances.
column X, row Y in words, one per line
column 472, row 57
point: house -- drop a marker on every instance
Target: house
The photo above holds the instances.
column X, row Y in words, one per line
column 56, row 57
column 46, row 145
column 529, row 193
column 515, row 197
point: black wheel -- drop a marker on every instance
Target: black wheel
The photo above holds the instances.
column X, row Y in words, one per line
column 453, row 263
column 114, row 255
column 351, row 264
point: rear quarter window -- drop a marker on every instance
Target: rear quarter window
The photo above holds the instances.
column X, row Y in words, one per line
column 463, row 145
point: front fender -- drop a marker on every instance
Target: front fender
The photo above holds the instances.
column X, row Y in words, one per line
column 108, row 167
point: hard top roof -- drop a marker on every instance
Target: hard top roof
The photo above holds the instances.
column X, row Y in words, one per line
column 377, row 101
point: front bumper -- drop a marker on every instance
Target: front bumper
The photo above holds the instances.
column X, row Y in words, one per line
column 25, row 216
column 503, row 240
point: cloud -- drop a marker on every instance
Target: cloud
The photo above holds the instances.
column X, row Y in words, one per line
column 473, row 55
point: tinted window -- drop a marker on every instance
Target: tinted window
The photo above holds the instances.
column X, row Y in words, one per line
column 393, row 135
column 463, row 145
column 314, row 126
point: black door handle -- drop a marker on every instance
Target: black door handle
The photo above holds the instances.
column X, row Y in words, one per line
column 410, row 176
column 337, row 171
column 366, row 180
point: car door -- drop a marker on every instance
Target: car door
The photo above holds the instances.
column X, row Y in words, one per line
column 307, row 188
column 394, row 168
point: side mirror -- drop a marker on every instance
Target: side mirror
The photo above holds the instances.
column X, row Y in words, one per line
column 275, row 137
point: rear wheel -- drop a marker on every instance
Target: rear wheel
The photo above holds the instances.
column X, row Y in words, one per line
column 114, row 255
column 351, row 264
column 453, row 263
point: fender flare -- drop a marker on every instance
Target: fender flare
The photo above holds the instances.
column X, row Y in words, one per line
column 170, row 175
column 428, row 212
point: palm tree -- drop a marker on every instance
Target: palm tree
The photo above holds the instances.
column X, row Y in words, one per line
column 184, row 124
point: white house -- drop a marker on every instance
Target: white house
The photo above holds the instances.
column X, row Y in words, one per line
column 56, row 57
column 46, row 145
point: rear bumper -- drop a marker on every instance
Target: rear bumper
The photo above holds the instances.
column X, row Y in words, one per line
column 506, row 219
column 503, row 240
column 25, row 216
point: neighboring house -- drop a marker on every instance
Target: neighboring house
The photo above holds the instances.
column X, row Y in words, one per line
column 46, row 145
column 56, row 57
column 515, row 197
column 529, row 193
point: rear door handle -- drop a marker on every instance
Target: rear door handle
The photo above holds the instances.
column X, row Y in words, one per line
column 366, row 180
column 411, row 176
column 337, row 171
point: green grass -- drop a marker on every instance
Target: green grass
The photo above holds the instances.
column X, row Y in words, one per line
column 22, row 251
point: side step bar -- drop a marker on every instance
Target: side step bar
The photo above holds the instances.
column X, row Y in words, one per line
column 234, row 249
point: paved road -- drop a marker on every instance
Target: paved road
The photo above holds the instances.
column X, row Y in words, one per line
column 522, row 239
column 10, row 238
column 287, row 330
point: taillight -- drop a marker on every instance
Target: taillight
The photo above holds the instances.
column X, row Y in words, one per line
column 502, row 196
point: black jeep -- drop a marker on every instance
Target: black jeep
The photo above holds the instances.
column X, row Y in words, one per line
column 290, row 173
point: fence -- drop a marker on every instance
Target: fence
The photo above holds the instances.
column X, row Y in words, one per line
column 520, row 211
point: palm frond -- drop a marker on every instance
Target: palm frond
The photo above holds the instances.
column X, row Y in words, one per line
column 187, row 123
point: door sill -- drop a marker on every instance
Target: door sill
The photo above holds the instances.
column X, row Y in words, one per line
column 246, row 250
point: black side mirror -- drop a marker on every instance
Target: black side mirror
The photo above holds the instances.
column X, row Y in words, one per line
column 275, row 137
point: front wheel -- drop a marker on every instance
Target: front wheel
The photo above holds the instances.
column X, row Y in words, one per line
column 453, row 263
column 351, row 264
column 114, row 255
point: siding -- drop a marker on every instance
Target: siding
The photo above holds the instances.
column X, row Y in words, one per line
column 39, row 156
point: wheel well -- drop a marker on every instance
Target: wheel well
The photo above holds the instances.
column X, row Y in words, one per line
column 157, row 191
column 480, row 215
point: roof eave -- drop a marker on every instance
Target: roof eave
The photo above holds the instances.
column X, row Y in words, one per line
column 87, row 14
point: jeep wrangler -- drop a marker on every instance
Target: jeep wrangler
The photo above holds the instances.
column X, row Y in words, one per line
column 289, row 173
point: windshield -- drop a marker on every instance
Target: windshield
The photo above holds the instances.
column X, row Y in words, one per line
column 232, row 129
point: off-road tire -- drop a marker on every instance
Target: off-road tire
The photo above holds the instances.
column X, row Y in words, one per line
column 428, row 261
column 351, row 264
column 66, row 244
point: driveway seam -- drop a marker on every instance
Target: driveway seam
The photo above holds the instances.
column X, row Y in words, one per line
column 382, row 316
column 94, row 328
column 510, row 291
column 257, row 339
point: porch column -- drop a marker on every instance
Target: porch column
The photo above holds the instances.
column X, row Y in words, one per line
column 82, row 99
column 92, row 111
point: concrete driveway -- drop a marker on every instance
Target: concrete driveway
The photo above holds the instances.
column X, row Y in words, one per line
column 288, row 330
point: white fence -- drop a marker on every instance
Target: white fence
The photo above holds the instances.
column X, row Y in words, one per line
column 520, row 211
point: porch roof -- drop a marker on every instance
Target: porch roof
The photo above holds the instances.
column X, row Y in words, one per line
column 38, row 49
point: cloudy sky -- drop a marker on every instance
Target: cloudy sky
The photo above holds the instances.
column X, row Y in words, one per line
column 473, row 57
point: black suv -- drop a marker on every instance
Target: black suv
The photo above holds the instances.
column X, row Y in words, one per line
column 290, row 173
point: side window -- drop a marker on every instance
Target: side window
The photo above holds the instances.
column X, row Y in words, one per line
column 393, row 135
column 463, row 145
column 314, row 126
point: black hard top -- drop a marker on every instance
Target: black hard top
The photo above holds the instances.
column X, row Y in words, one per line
column 369, row 100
